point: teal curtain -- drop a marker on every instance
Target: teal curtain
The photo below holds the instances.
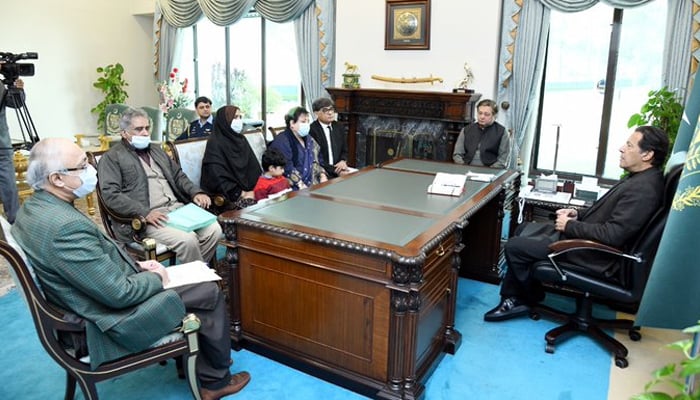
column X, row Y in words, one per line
column 315, row 35
column 524, row 29
column 314, row 29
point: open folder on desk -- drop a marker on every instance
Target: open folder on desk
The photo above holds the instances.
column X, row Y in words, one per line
column 190, row 217
column 447, row 184
column 189, row 273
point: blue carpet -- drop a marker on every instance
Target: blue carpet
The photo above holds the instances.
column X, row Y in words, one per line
column 495, row 361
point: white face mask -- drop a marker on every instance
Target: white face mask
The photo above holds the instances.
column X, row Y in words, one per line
column 304, row 128
column 237, row 125
column 89, row 181
column 140, row 142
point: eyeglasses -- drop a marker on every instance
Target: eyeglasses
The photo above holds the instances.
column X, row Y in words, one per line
column 78, row 168
column 141, row 128
column 328, row 110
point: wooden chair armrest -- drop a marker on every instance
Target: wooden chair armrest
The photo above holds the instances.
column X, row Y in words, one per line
column 581, row 244
column 138, row 222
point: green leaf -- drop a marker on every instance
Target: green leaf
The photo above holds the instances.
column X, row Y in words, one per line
column 111, row 84
column 652, row 396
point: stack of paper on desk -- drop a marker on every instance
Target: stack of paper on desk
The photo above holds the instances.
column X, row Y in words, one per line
column 475, row 176
column 190, row 217
column 189, row 273
column 448, row 184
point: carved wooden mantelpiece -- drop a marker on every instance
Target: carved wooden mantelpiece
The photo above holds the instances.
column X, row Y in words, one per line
column 443, row 114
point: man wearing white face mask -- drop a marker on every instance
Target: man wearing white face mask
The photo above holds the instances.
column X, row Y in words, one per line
column 303, row 168
column 137, row 178
column 123, row 303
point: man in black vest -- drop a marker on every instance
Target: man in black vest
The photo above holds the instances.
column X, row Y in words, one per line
column 484, row 143
column 615, row 220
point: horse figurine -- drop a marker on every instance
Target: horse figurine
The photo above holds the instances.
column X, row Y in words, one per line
column 350, row 69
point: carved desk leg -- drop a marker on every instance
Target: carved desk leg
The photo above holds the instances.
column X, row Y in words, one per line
column 405, row 308
column 231, row 264
column 453, row 338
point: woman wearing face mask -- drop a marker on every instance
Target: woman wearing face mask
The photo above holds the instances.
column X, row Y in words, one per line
column 229, row 166
column 300, row 150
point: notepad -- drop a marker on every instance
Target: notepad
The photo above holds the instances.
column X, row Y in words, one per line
column 190, row 217
column 189, row 273
column 448, row 184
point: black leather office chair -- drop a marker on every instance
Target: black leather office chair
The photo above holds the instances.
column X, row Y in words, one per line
column 624, row 289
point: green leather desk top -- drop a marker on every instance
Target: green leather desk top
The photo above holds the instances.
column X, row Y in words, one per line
column 356, row 221
column 399, row 189
column 389, row 205
column 432, row 167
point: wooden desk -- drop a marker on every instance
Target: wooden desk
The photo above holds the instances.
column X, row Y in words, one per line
column 356, row 277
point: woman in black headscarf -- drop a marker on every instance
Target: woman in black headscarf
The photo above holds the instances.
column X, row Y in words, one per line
column 229, row 166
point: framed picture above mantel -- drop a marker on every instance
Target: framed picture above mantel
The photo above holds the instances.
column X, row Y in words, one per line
column 407, row 25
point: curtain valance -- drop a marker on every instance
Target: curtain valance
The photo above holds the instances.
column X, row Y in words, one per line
column 580, row 5
column 184, row 13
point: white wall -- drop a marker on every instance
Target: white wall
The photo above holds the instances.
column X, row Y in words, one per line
column 73, row 38
column 461, row 31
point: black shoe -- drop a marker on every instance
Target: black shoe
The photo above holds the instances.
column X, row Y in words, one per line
column 508, row 308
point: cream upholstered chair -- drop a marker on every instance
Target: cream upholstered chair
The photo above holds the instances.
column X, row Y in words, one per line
column 275, row 130
column 257, row 142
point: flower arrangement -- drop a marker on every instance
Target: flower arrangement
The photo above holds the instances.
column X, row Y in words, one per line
column 173, row 92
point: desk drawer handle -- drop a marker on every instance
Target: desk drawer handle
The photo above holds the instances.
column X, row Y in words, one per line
column 441, row 251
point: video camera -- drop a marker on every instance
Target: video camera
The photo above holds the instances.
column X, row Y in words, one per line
column 11, row 69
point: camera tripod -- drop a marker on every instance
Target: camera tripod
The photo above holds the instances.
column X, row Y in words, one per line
column 13, row 98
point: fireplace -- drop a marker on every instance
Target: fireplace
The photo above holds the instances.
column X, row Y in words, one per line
column 384, row 124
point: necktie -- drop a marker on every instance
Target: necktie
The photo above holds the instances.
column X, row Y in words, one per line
column 330, row 147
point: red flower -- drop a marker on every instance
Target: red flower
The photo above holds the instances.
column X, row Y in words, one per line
column 172, row 75
column 175, row 70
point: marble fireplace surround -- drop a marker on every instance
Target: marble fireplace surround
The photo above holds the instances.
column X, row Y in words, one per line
column 384, row 124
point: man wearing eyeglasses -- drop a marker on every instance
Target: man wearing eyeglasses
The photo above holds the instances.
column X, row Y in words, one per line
column 124, row 304
column 331, row 137
column 137, row 178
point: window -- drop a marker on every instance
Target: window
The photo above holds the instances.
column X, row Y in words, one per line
column 251, row 64
column 580, row 109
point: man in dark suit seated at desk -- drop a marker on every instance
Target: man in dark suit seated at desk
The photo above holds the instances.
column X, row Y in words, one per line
column 331, row 137
column 614, row 220
column 123, row 302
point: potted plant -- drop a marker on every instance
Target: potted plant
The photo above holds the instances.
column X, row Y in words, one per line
column 112, row 84
column 662, row 110
column 674, row 375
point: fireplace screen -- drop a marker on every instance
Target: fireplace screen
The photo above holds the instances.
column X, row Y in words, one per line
column 383, row 145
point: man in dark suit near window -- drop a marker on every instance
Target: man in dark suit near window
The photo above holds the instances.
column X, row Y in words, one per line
column 614, row 220
column 331, row 137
